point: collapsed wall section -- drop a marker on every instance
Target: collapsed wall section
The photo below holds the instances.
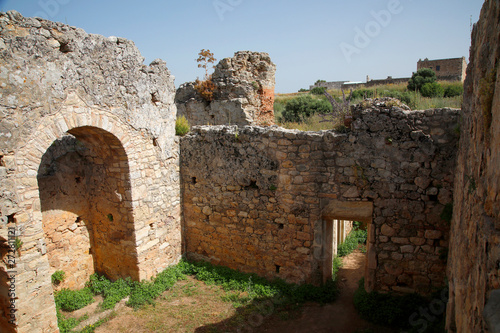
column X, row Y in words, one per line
column 243, row 93
column 254, row 198
column 474, row 261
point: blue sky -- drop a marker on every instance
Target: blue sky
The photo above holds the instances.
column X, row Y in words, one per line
column 307, row 40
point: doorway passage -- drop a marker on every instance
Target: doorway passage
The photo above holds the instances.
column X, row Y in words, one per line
column 338, row 221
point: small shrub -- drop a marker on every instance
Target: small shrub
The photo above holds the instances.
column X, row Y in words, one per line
column 432, row 89
column 58, row 277
column 98, row 283
column 181, row 126
column 454, row 90
column 303, row 107
column 71, row 300
column 362, row 93
column 205, row 88
column 318, row 90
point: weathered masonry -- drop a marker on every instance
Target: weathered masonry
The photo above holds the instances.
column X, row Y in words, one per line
column 88, row 163
column 92, row 178
column 243, row 94
column 474, row 260
column 263, row 199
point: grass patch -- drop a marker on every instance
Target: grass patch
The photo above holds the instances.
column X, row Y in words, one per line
column 244, row 291
column 112, row 292
column 66, row 325
column 147, row 291
column 259, row 288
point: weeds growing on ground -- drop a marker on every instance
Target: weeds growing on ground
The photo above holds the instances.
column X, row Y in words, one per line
column 242, row 289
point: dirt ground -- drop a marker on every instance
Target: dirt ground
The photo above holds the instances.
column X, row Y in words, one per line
column 192, row 306
column 340, row 316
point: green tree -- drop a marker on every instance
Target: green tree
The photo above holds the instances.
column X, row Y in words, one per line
column 421, row 77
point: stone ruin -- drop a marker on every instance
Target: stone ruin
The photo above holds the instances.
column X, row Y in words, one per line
column 243, row 95
column 93, row 179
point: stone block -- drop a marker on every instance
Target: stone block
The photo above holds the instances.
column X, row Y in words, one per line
column 407, row 249
column 387, row 230
column 433, row 234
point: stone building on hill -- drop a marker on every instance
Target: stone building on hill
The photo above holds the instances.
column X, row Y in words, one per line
column 446, row 69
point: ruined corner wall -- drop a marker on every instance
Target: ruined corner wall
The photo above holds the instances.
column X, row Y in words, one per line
column 474, row 261
column 107, row 200
column 256, row 199
column 244, row 93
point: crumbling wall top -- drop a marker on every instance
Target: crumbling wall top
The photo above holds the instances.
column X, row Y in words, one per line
column 42, row 61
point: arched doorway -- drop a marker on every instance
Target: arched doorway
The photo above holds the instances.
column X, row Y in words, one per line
column 86, row 204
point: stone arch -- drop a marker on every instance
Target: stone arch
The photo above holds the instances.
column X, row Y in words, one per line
column 85, row 199
column 110, row 134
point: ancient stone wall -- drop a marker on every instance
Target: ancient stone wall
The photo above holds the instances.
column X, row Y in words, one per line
column 446, row 69
column 328, row 85
column 244, row 93
column 262, row 200
column 108, row 200
column 474, row 261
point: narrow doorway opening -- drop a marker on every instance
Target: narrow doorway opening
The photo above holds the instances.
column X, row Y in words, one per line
column 344, row 226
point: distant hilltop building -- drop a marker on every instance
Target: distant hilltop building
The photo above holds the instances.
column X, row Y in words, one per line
column 453, row 69
column 328, row 85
